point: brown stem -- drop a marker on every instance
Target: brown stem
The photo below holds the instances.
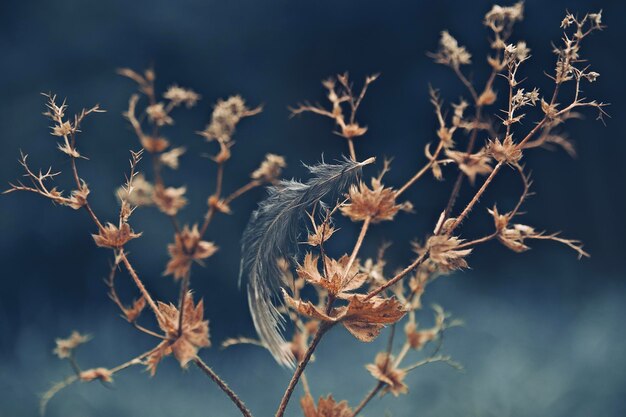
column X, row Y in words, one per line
column 459, row 179
column 422, row 171
column 223, row 386
column 357, row 246
column 476, row 241
column 476, row 197
column 184, row 288
column 351, row 149
column 398, row 277
column 324, row 327
column 218, row 190
column 242, row 190
column 368, row 398
column 140, row 285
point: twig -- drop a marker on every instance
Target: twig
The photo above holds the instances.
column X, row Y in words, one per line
column 223, row 386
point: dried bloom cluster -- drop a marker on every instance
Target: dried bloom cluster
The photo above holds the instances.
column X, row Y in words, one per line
column 450, row 52
column 476, row 138
column 226, row 115
column 183, row 342
column 187, row 247
column 65, row 347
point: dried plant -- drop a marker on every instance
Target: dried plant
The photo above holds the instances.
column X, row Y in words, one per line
column 348, row 291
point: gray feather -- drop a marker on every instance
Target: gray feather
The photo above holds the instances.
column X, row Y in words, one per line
column 272, row 233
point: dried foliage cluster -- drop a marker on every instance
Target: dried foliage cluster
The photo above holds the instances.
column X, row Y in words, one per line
column 311, row 290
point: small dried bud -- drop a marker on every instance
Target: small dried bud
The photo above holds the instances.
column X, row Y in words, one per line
column 101, row 374
column 270, row 168
column 487, row 97
column 178, row 95
column 219, row 205
column 170, row 158
column 154, row 145
column 353, row 130
column 65, row 347
column 158, row 115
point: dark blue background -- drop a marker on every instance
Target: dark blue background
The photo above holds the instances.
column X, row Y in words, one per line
column 544, row 333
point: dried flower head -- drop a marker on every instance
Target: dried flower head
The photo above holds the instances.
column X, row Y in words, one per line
column 65, row 347
column 187, row 248
column 385, row 370
column 158, row 114
column 471, row 164
column 183, row 343
column 376, row 204
column 326, row 407
column 502, row 18
column 111, row 236
column 450, row 52
column 170, row 158
column 178, row 95
column 340, row 277
column 169, row 200
column 505, row 151
column 226, row 115
column 270, row 169
column 321, row 233
column 443, row 250
column 101, row 374
column 142, row 193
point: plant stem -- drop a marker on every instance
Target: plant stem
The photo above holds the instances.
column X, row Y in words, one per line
column 357, row 247
column 398, row 277
column 324, row 327
column 368, row 398
column 223, row 386
column 351, row 149
column 422, row 171
column 476, row 197
column 140, row 285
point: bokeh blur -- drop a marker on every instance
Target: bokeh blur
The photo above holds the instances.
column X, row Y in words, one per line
column 544, row 332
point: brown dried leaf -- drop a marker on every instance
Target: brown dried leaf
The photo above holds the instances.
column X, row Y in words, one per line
column 326, row 407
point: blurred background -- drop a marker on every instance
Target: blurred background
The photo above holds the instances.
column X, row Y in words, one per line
column 544, row 332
